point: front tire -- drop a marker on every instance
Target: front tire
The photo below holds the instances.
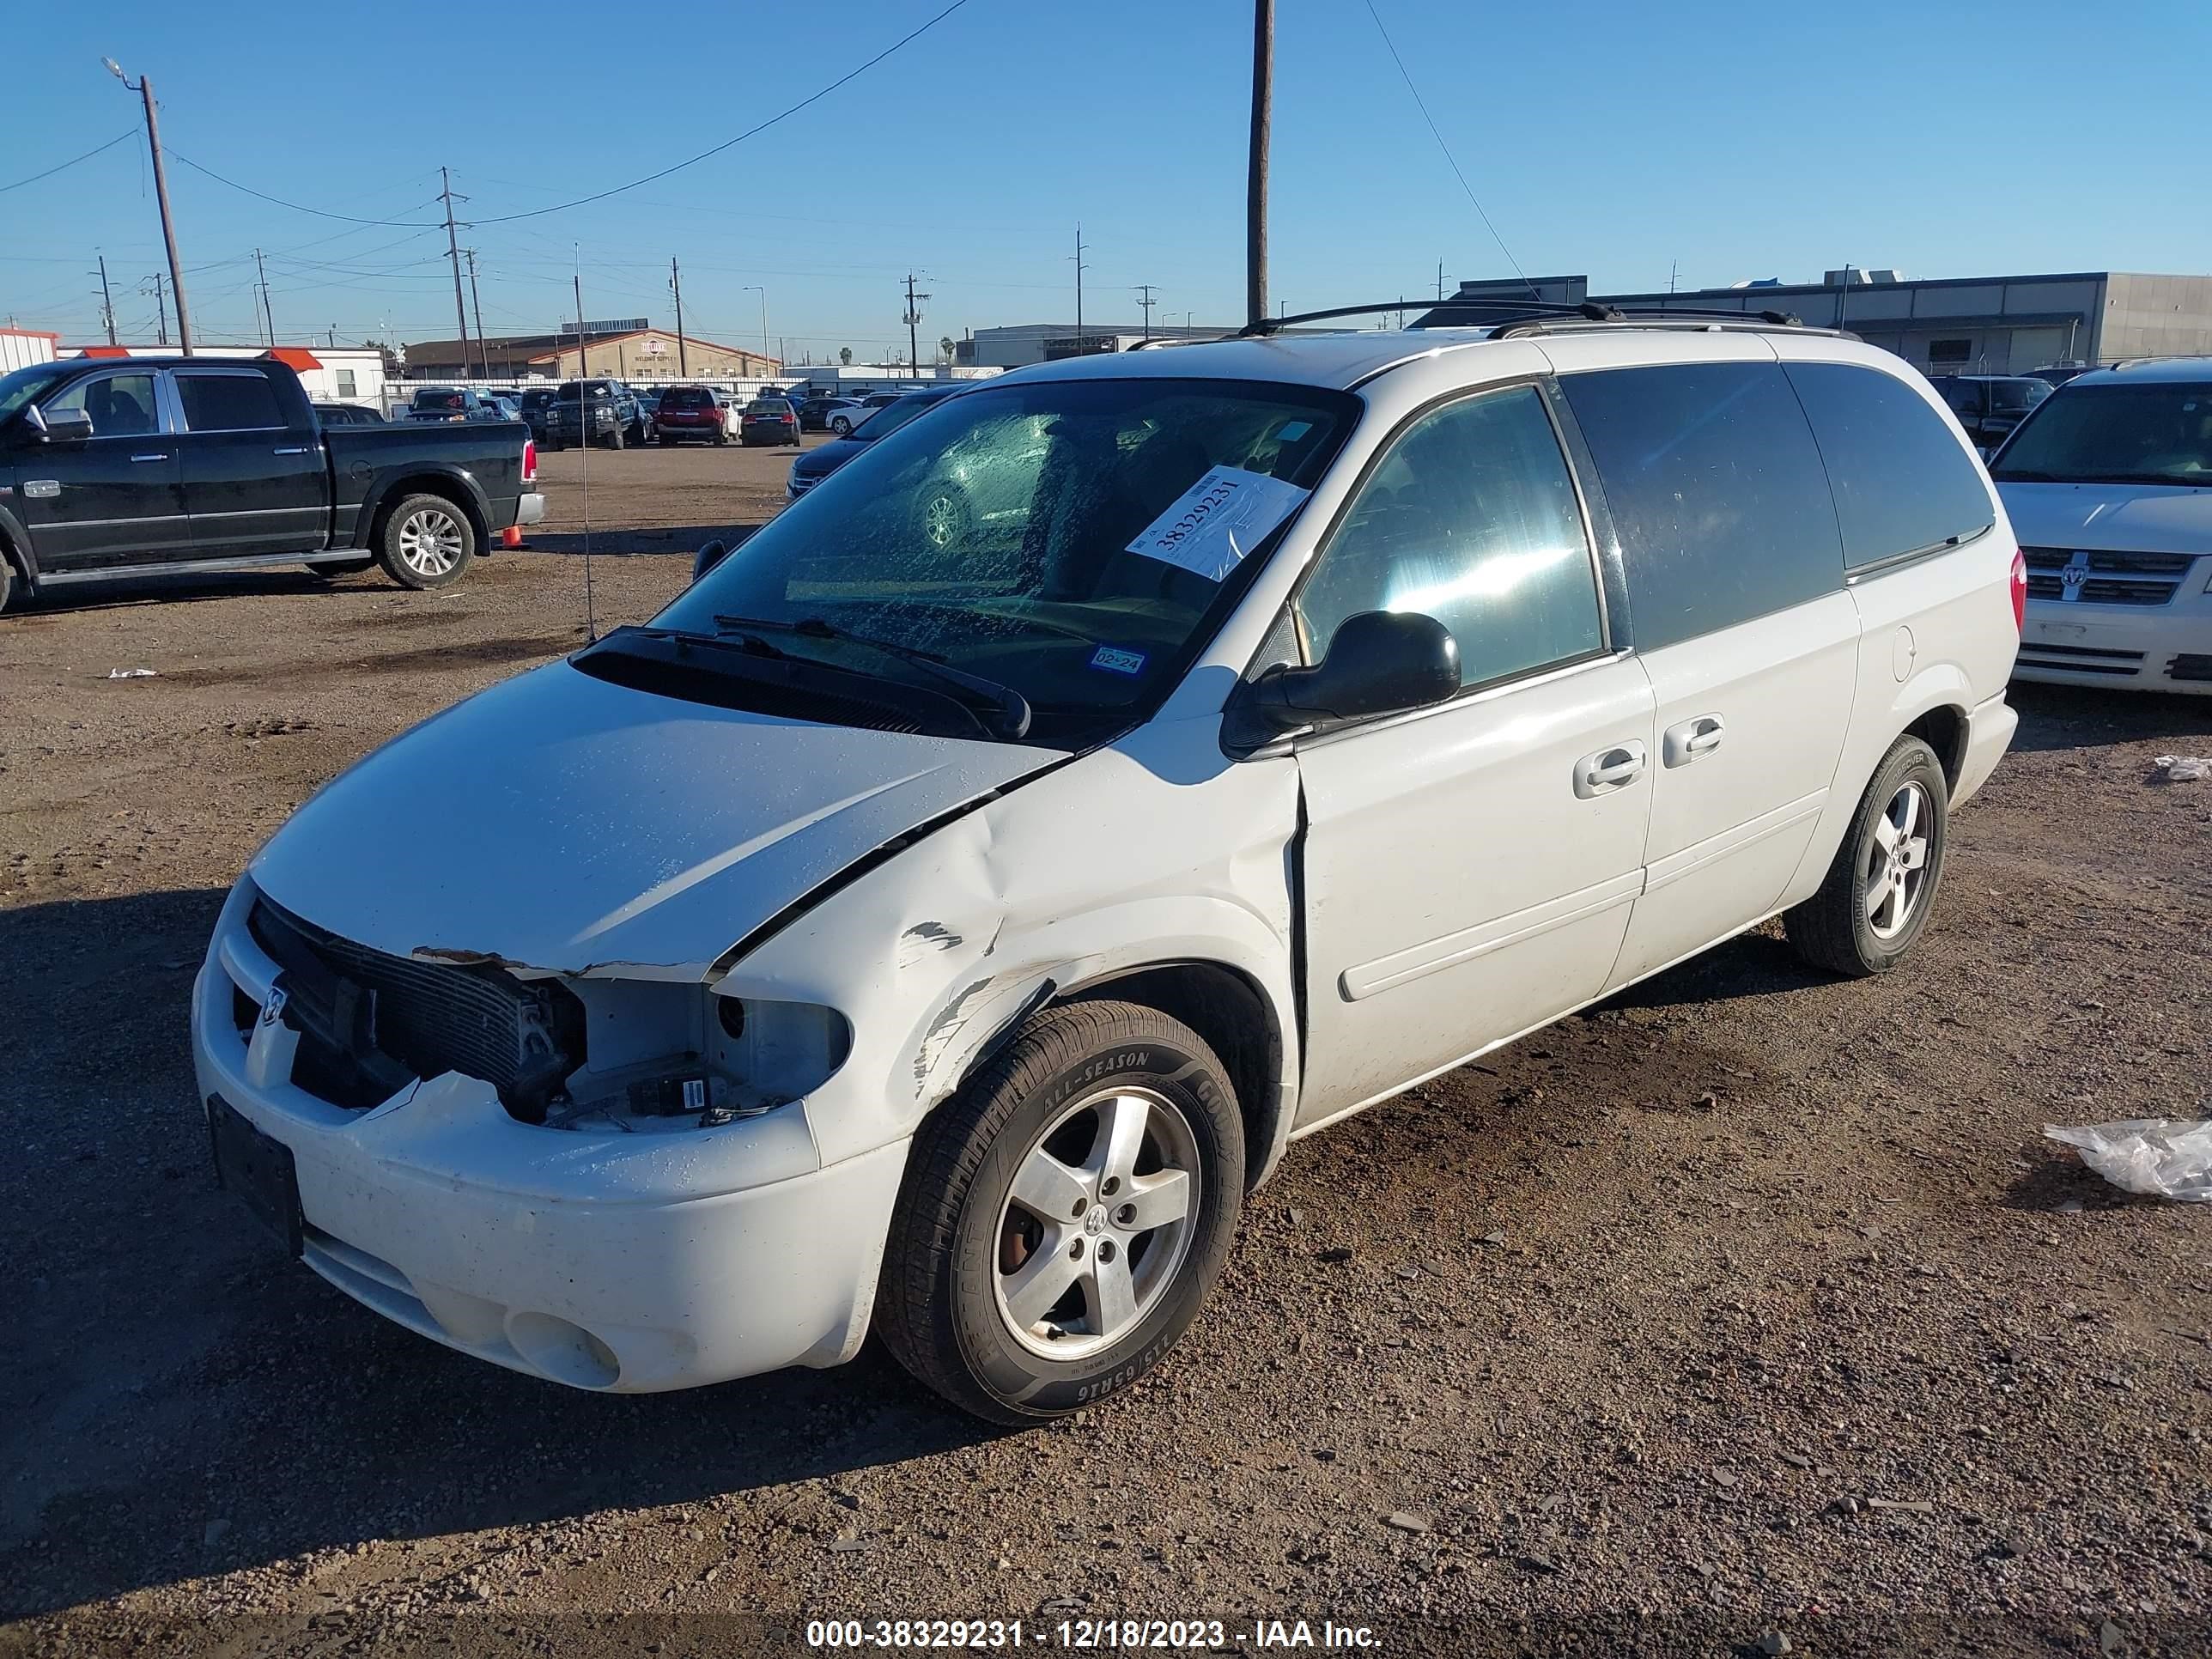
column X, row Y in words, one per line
column 1064, row 1215
column 427, row 542
column 1871, row 910
column 615, row 439
column 841, row 426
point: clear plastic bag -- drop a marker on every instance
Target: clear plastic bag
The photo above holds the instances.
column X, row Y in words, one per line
column 2164, row 1157
column 2183, row 768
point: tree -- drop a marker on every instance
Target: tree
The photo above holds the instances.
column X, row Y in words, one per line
column 944, row 348
column 845, row 355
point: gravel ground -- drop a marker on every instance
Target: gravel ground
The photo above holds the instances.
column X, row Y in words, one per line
column 1750, row 1306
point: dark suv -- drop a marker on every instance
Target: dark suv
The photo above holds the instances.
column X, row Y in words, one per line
column 600, row 411
column 1990, row 405
column 536, row 406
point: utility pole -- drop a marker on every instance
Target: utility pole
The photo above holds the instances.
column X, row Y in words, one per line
column 1144, row 299
column 106, row 303
column 1673, row 268
column 675, row 282
column 161, row 310
column 453, row 252
column 1080, row 249
column 1256, row 179
column 268, row 323
column 1440, row 282
column 912, row 321
column 144, row 88
column 483, row 351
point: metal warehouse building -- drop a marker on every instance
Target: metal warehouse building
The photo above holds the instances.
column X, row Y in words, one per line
column 1959, row 324
column 631, row 351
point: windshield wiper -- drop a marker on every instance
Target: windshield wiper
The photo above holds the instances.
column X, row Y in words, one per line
column 1011, row 707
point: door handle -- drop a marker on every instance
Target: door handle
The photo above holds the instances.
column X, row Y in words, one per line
column 149, row 457
column 297, row 449
column 1609, row 769
column 1693, row 739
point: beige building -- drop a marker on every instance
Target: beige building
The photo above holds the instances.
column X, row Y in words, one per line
column 643, row 355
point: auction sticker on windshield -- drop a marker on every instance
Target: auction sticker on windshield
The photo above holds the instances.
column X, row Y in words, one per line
column 1212, row 525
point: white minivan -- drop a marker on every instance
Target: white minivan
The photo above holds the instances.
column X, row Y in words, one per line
column 2109, row 484
column 945, row 934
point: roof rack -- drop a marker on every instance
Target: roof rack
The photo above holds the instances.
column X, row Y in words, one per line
column 1503, row 315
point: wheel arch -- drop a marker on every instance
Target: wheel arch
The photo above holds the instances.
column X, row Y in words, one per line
column 460, row 491
column 1944, row 728
column 15, row 552
column 1226, row 1007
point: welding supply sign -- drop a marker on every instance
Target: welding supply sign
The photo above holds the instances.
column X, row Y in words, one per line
column 1211, row 526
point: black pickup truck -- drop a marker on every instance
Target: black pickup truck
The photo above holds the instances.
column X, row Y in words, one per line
column 139, row 467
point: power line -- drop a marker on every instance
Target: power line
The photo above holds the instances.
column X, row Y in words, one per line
column 297, row 207
column 783, row 115
column 87, row 156
column 1438, row 135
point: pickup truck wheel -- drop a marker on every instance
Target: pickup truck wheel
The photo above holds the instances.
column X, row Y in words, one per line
column 7, row 581
column 428, row 542
column 1064, row 1215
column 1872, row 908
column 614, row 440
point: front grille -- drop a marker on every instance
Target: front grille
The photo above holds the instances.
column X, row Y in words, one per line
column 2104, row 577
column 2189, row 665
column 367, row 1021
column 2080, row 658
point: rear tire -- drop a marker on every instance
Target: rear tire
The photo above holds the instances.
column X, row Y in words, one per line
column 427, row 542
column 1022, row 1280
column 1872, row 908
column 841, row 426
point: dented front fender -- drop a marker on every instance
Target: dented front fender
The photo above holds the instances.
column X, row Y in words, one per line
column 1157, row 851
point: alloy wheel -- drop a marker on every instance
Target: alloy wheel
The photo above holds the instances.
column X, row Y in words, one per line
column 430, row 541
column 1100, row 1216
column 1896, row 861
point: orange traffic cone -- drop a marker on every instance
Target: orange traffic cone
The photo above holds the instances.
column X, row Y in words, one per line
column 511, row 537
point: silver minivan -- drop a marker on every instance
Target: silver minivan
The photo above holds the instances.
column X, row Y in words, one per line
column 944, row 935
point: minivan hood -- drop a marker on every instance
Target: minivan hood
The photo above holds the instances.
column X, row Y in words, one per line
column 2116, row 517
column 557, row 821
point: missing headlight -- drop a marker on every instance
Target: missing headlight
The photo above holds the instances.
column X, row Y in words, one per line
column 677, row 1057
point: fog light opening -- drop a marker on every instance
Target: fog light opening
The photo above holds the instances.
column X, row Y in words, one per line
column 564, row 1352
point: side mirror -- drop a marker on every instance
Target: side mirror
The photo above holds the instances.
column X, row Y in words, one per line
column 63, row 426
column 713, row 552
column 1379, row 662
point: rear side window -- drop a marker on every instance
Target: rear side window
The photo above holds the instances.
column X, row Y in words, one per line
column 1717, row 489
column 227, row 403
column 1471, row 518
column 1902, row 481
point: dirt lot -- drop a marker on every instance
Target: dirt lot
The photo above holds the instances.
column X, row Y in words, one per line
column 1588, row 1348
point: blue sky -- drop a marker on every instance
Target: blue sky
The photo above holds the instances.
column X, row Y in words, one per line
column 1943, row 139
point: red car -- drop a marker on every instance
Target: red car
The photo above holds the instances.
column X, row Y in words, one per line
column 691, row 414
column 770, row 420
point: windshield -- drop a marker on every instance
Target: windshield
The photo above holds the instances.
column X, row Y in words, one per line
column 439, row 400
column 687, row 397
column 2011, row 397
column 993, row 533
column 887, row 418
column 25, row 384
column 2151, row 433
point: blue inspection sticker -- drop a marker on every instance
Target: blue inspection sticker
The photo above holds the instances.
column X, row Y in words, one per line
column 1115, row 660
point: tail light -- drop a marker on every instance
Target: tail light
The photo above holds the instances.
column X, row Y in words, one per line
column 529, row 460
column 2020, row 591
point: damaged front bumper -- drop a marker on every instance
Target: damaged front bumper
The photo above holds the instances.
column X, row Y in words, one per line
column 618, row 1261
